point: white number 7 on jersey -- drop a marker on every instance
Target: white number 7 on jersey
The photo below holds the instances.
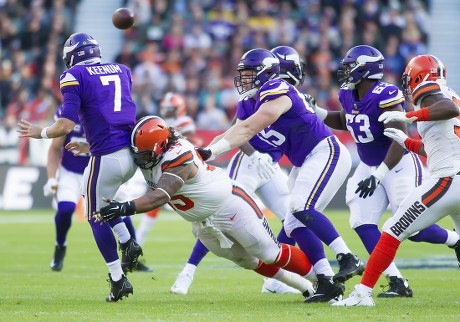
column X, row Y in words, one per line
column 117, row 98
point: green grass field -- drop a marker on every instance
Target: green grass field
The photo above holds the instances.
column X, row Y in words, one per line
column 220, row 292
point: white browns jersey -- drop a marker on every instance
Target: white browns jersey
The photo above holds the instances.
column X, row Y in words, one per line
column 201, row 196
column 440, row 138
column 184, row 124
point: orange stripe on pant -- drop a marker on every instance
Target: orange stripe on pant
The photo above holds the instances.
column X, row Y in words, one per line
column 437, row 191
column 241, row 193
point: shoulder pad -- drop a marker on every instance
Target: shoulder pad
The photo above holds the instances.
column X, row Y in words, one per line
column 424, row 89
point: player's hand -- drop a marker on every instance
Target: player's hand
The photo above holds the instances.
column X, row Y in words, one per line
column 264, row 164
column 311, row 101
column 367, row 186
column 396, row 116
column 77, row 148
column 396, row 135
column 50, row 187
column 205, row 154
column 29, row 130
column 114, row 210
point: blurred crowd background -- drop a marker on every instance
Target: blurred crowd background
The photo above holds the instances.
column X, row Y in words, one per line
column 193, row 47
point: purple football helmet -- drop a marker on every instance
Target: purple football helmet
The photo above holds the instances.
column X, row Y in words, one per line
column 360, row 62
column 262, row 64
column 81, row 48
column 292, row 67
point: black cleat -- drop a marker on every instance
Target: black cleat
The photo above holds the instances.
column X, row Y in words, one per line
column 397, row 287
column 58, row 259
column 327, row 290
column 130, row 252
column 349, row 266
column 456, row 247
column 141, row 267
column 119, row 289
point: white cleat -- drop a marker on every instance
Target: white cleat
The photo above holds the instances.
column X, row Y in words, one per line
column 357, row 298
column 272, row 285
column 182, row 284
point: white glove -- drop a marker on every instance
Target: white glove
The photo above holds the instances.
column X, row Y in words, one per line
column 396, row 135
column 50, row 187
column 264, row 164
column 396, row 116
column 311, row 101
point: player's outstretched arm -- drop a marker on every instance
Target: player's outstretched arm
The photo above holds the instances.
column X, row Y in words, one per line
column 169, row 183
column 61, row 127
column 438, row 108
column 333, row 119
column 402, row 139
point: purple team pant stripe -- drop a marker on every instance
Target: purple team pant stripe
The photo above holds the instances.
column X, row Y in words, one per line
column 95, row 163
column 325, row 174
column 418, row 169
column 236, row 165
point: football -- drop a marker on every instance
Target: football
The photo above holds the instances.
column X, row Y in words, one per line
column 123, row 18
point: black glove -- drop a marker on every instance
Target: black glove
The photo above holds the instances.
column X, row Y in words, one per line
column 205, row 154
column 367, row 186
column 114, row 210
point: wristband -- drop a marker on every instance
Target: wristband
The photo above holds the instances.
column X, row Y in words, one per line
column 421, row 114
column 44, row 133
column 381, row 171
column 413, row 145
column 130, row 208
column 220, row 147
column 321, row 113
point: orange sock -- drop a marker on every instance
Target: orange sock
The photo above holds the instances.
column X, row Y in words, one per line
column 381, row 257
column 153, row 213
column 266, row 269
column 293, row 259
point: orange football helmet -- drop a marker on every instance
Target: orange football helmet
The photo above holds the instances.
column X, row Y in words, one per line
column 420, row 69
column 149, row 139
column 172, row 106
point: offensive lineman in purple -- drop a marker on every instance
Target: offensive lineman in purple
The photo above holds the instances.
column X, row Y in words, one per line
column 301, row 128
column 386, row 172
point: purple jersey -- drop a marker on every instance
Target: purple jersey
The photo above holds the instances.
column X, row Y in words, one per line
column 69, row 161
column 101, row 96
column 362, row 119
column 247, row 104
column 297, row 131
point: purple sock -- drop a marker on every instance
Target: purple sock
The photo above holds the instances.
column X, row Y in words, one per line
column 432, row 234
column 319, row 224
column 198, row 253
column 309, row 244
column 283, row 238
column 105, row 241
column 63, row 220
column 115, row 222
column 130, row 226
column 370, row 235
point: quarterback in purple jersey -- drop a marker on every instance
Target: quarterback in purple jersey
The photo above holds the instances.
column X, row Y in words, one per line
column 387, row 173
column 281, row 117
column 100, row 96
column 65, row 175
